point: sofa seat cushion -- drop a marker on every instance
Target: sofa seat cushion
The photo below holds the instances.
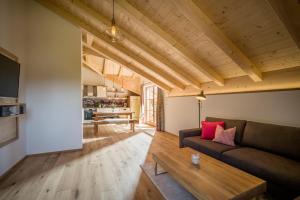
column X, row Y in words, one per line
column 270, row 167
column 206, row 146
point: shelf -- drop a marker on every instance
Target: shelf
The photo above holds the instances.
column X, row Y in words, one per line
column 105, row 98
column 92, row 97
column 12, row 116
column 10, row 104
column 116, row 92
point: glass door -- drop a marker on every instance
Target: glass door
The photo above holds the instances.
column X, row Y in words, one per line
column 150, row 99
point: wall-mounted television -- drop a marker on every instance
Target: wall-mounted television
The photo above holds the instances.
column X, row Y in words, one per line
column 9, row 77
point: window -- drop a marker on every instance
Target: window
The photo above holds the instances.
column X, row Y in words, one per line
column 150, row 99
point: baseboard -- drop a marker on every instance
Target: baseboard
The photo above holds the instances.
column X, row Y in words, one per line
column 12, row 169
column 52, row 152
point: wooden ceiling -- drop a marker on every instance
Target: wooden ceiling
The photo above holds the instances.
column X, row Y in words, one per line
column 185, row 46
column 115, row 72
column 104, row 66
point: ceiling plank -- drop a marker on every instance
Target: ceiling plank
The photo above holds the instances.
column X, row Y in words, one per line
column 121, row 61
column 79, row 22
column 101, row 51
column 196, row 62
column 199, row 19
column 132, row 84
column 150, row 66
column 90, row 52
column 133, row 75
column 87, row 65
column 89, row 38
column 278, row 8
column 162, row 73
column 171, row 67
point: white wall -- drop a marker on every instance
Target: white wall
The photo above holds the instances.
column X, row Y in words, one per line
column 53, row 87
column 180, row 113
column 281, row 107
column 278, row 107
column 12, row 24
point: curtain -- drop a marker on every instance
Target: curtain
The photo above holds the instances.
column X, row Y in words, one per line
column 160, row 112
column 142, row 119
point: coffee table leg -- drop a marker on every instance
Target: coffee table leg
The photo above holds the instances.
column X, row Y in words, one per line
column 155, row 170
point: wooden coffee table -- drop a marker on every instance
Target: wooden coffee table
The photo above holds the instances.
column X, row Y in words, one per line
column 213, row 179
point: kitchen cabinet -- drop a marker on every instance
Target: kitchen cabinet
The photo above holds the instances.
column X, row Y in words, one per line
column 90, row 91
column 101, row 91
column 135, row 104
column 94, row 91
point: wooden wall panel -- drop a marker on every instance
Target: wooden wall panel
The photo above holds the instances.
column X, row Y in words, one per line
column 8, row 126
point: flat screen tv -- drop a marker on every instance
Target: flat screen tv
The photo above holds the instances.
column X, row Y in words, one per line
column 9, row 77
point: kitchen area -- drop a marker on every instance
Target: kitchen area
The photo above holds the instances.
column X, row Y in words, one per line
column 110, row 94
column 107, row 102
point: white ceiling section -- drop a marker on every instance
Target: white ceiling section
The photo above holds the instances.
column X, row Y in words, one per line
column 185, row 46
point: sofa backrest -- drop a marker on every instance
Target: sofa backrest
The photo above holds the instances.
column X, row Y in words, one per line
column 283, row 140
column 230, row 123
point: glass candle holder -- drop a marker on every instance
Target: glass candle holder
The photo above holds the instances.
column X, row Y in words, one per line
column 195, row 159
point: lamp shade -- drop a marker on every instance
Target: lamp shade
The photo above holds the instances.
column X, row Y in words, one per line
column 201, row 96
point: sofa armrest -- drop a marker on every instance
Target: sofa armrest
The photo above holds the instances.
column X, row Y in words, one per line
column 188, row 133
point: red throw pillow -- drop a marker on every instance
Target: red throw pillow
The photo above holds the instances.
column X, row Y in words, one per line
column 209, row 129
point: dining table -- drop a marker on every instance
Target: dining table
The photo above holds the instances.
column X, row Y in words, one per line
column 98, row 115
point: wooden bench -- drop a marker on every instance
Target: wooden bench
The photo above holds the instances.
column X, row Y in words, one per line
column 98, row 121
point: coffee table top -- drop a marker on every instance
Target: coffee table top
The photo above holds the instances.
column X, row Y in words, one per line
column 214, row 179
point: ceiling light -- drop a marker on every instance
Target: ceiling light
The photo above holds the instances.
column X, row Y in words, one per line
column 122, row 89
column 113, row 31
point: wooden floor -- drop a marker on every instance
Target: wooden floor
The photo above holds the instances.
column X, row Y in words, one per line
column 106, row 168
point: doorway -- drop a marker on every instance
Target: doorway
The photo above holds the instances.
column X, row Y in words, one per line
column 150, row 99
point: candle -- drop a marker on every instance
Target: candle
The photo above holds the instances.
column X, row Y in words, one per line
column 195, row 159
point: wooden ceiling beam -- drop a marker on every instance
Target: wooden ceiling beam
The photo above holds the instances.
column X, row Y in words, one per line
column 90, row 39
column 200, row 20
column 131, row 84
column 86, row 51
column 274, row 80
column 157, row 71
column 279, row 10
column 162, row 73
column 121, row 61
column 87, row 65
column 170, row 67
column 103, row 52
column 199, row 64
column 81, row 23
column 84, row 58
column 119, row 72
column 133, row 75
column 103, row 66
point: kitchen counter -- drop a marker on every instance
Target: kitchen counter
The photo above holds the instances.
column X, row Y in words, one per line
column 111, row 110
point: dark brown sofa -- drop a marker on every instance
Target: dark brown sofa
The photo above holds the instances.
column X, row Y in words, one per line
column 268, row 151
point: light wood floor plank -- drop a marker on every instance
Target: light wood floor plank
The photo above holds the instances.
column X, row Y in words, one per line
column 108, row 167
